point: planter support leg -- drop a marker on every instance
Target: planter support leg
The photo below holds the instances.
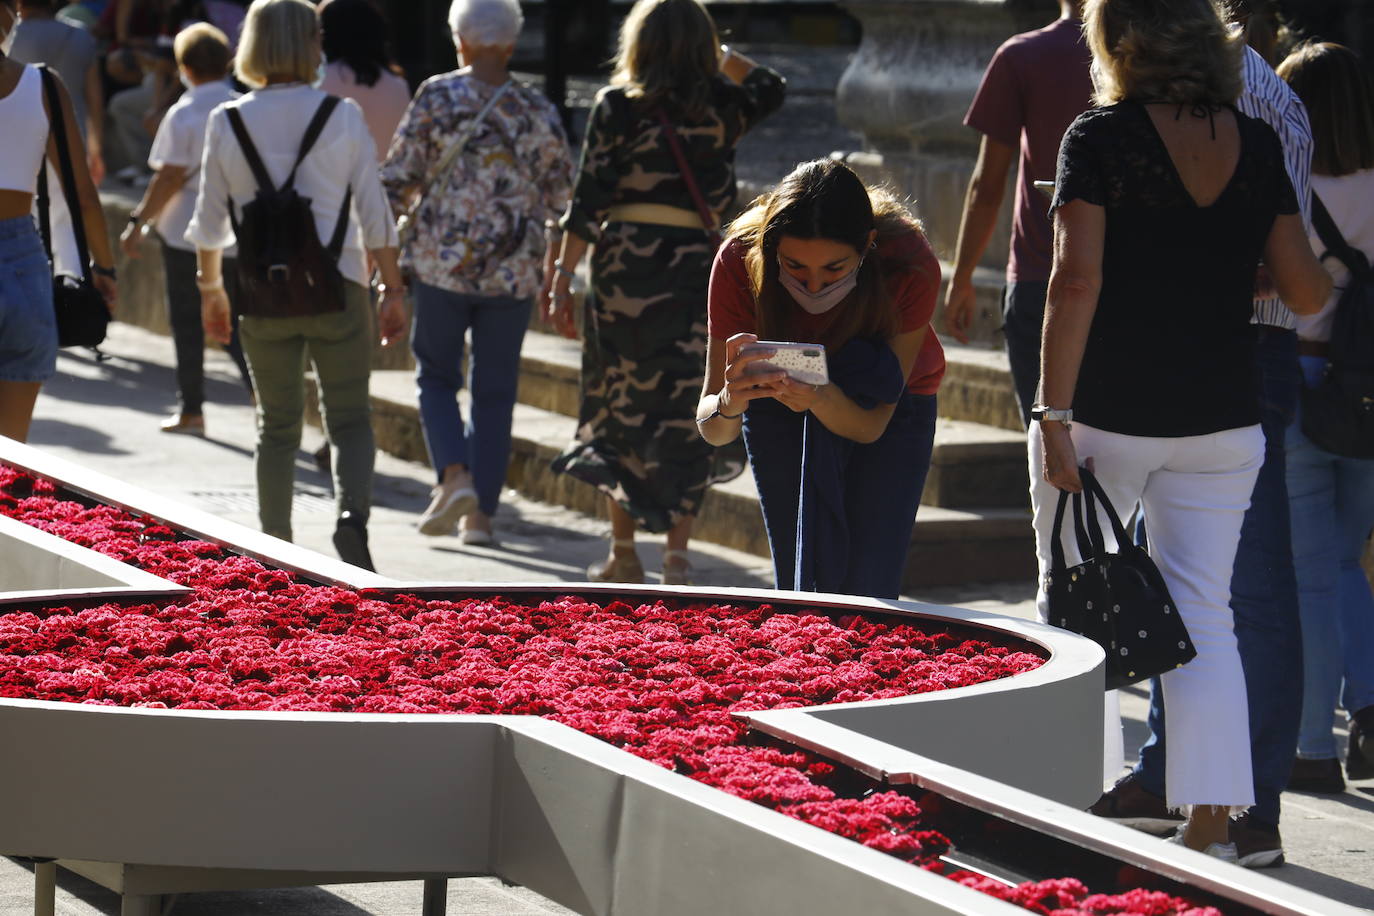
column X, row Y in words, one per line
column 44, row 888
column 140, row 905
column 436, row 897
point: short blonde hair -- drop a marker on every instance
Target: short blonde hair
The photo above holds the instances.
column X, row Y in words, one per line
column 281, row 38
column 1183, row 51
column 669, row 53
column 204, row 50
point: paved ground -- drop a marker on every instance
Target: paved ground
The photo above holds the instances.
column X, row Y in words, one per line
column 105, row 415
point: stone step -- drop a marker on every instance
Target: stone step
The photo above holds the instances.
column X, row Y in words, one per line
column 949, row 546
column 978, row 387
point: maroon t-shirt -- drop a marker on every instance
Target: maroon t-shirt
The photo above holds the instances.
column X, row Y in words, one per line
column 1037, row 83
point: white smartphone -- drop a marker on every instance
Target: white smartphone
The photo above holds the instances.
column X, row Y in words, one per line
column 804, row 362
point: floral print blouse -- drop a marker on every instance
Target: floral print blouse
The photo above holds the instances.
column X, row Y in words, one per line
column 479, row 230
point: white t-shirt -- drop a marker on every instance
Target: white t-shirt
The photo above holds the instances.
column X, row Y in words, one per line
column 343, row 157
column 180, row 140
column 1348, row 199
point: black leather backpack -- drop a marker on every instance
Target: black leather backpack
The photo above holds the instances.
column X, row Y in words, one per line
column 284, row 269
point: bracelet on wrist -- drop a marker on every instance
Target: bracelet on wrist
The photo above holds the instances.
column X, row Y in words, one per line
column 208, row 286
column 103, row 271
column 384, row 288
column 716, row 412
column 563, row 269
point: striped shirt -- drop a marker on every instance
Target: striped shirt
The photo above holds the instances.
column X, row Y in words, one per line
column 1267, row 97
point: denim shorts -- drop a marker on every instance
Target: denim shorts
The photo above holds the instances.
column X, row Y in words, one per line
column 28, row 327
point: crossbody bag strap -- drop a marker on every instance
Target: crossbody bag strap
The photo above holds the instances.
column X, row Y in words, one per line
column 451, row 154
column 57, row 123
column 708, row 219
column 1336, row 245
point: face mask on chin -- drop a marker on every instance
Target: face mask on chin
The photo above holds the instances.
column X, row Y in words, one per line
column 829, row 296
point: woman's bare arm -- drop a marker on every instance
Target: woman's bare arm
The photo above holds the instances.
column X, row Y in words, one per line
column 1080, row 230
column 1302, row 283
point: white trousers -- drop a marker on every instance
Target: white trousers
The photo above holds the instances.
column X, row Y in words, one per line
column 1194, row 491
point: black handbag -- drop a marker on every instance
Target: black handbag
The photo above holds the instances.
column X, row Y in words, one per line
column 82, row 316
column 1118, row 600
column 1338, row 414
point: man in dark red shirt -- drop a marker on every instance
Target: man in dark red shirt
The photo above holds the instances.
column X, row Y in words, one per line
column 1036, row 84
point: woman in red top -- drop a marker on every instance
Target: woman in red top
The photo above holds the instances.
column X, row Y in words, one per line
column 839, row 467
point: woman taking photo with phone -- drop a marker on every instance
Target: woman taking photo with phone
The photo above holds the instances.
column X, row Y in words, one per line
column 822, row 259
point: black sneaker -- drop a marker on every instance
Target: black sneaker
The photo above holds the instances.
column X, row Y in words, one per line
column 1258, row 845
column 1127, row 803
column 350, row 540
column 1322, row 776
column 1359, row 756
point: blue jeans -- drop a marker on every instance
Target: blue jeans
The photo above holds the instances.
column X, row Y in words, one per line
column 498, row 323
column 28, row 325
column 1264, row 600
column 883, row 483
column 1332, row 501
column 1023, row 314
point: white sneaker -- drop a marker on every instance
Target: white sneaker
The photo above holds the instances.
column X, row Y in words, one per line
column 1226, row 852
column 445, row 510
column 476, row 537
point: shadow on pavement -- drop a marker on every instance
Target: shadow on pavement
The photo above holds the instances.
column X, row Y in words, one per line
column 59, row 432
column 1336, row 888
column 313, row 900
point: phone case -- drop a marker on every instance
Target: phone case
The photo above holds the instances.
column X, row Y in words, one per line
column 803, row 362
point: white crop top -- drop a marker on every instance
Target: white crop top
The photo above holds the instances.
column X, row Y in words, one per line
column 26, row 133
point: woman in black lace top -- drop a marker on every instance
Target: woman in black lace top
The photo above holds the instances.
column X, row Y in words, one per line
column 1166, row 200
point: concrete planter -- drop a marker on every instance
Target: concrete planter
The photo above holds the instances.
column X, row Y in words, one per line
column 186, row 799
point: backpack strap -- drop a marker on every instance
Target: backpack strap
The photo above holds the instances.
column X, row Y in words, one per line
column 250, row 151
column 312, row 133
column 1336, row 245
column 336, row 241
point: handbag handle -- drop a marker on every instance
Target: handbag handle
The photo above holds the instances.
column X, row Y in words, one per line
column 1092, row 486
column 57, row 124
column 1089, row 536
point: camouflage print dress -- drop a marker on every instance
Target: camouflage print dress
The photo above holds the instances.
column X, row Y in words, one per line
column 644, row 332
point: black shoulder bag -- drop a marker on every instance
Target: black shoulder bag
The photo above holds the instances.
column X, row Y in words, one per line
column 82, row 315
column 1118, row 600
column 284, row 270
column 1338, row 414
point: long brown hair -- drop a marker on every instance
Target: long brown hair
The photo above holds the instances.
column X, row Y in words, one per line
column 823, row 199
column 1333, row 85
column 669, row 56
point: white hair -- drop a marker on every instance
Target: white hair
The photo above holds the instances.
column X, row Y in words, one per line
column 486, row 23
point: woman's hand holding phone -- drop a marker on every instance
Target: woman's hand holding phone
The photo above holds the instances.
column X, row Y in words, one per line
column 800, row 396
column 740, row 386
